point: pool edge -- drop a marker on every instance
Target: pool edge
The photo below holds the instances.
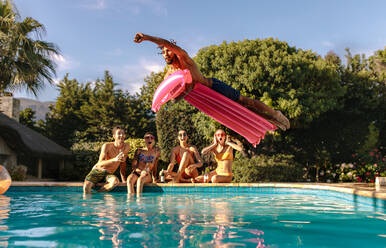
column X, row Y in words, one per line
column 359, row 189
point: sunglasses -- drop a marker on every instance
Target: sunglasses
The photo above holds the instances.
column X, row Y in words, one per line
column 148, row 137
column 220, row 134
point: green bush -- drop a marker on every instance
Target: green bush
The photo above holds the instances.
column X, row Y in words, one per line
column 86, row 155
column 263, row 168
column 18, row 172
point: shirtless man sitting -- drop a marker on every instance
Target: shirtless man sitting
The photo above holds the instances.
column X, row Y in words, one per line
column 188, row 160
column 178, row 59
column 113, row 155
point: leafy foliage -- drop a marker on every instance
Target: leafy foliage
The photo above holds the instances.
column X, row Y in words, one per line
column 25, row 62
column 66, row 118
column 87, row 113
column 27, row 117
column 294, row 81
column 263, row 168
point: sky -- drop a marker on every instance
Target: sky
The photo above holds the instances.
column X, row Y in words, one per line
column 97, row 35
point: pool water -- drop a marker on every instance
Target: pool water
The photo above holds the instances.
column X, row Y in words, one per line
column 289, row 219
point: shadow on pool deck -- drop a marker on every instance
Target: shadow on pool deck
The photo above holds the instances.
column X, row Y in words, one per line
column 360, row 189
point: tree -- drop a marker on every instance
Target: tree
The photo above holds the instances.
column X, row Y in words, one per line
column 27, row 117
column 106, row 108
column 25, row 62
column 378, row 69
column 299, row 83
column 65, row 118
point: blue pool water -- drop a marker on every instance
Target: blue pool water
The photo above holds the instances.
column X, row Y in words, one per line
column 284, row 218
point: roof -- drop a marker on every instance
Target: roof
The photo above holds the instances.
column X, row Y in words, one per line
column 24, row 139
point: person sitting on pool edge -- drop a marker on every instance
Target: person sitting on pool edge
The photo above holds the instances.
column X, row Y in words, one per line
column 178, row 59
column 188, row 159
column 144, row 165
column 112, row 156
column 222, row 149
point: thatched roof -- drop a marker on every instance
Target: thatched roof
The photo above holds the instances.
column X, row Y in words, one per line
column 25, row 140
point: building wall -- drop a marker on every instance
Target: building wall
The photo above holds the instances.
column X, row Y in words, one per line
column 8, row 157
column 10, row 106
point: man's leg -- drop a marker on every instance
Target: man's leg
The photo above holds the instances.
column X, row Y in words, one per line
column 87, row 186
column 254, row 105
column 266, row 112
column 111, row 182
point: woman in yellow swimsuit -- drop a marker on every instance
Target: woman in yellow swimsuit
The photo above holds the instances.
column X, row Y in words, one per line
column 222, row 149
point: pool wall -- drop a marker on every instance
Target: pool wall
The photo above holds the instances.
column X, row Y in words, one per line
column 357, row 193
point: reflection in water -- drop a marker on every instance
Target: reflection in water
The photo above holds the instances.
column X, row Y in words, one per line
column 106, row 217
column 5, row 203
column 184, row 220
column 223, row 218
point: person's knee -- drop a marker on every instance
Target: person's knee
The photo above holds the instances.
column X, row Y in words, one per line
column 114, row 181
column 130, row 179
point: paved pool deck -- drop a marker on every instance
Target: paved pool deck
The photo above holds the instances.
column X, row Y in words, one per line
column 360, row 189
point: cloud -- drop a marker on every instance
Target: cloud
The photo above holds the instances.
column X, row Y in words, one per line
column 135, row 7
column 156, row 6
column 114, row 52
column 328, row 44
column 95, row 4
column 131, row 76
column 64, row 63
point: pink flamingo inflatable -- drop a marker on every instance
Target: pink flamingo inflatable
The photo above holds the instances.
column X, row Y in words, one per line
column 220, row 108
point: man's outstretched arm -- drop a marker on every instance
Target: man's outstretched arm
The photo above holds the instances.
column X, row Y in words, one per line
column 139, row 37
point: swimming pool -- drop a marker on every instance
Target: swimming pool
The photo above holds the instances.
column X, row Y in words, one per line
column 268, row 217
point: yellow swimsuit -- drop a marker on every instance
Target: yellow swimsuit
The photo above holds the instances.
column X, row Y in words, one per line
column 222, row 157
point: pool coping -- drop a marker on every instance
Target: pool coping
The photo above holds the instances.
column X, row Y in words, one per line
column 360, row 189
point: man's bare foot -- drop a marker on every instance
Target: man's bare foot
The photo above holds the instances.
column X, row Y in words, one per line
column 281, row 121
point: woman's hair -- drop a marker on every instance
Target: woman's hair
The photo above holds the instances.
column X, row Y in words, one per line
column 220, row 129
column 151, row 133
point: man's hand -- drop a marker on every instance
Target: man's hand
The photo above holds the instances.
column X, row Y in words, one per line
column 139, row 37
column 120, row 157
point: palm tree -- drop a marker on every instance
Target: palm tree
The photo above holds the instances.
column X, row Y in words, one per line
column 25, row 62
